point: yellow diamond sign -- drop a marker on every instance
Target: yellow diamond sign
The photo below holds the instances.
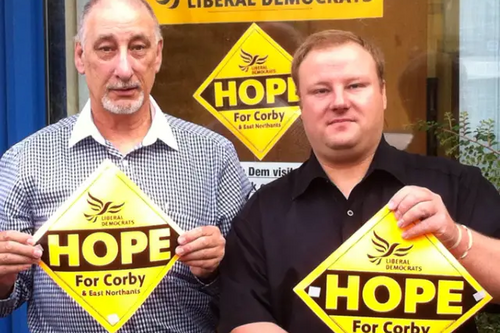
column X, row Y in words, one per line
column 252, row 92
column 109, row 246
column 377, row 282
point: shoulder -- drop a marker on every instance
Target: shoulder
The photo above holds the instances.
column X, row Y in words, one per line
column 433, row 166
column 44, row 140
column 196, row 136
column 450, row 179
column 276, row 196
column 282, row 186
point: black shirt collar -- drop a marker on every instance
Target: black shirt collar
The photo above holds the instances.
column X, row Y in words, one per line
column 386, row 158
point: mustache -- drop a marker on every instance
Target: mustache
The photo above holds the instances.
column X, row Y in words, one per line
column 123, row 85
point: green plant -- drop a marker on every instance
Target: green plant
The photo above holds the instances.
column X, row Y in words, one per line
column 488, row 323
column 473, row 146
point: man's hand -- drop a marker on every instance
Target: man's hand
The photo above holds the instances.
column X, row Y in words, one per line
column 418, row 205
column 17, row 254
column 202, row 249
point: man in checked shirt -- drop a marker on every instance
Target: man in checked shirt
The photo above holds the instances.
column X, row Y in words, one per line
column 192, row 173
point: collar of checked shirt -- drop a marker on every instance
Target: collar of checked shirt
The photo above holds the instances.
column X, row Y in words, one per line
column 160, row 128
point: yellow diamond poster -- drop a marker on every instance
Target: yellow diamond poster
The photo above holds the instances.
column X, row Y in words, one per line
column 252, row 92
column 108, row 246
column 377, row 282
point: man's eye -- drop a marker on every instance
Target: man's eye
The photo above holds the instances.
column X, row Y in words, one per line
column 356, row 86
column 320, row 91
column 106, row 49
column 138, row 47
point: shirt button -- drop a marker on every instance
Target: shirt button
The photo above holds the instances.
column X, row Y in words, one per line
column 350, row 212
column 125, row 163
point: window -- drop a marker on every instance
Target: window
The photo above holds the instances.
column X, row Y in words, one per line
column 441, row 56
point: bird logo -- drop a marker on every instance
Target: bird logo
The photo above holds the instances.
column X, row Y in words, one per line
column 386, row 249
column 101, row 208
column 174, row 5
column 251, row 60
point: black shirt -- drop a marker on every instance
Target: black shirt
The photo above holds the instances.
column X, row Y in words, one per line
column 290, row 226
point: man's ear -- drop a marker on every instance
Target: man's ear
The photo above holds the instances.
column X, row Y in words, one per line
column 79, row 64
column 297, row 93
column 159, row 55
column 384, row 96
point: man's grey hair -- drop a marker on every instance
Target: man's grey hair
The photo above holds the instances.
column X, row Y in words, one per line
column 80, row 36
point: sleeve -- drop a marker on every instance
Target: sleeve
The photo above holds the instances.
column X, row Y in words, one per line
column 479, row 208
column 233, row 190
column 479, row 203
column 245, row 291
column 232, row 193
column 14, row 215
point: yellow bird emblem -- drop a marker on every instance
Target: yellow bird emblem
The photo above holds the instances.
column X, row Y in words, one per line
column 251, row 60
column 100, row 208
column 386, row 249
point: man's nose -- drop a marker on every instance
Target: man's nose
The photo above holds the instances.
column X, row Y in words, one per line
column 339, row 100
column 123, row 69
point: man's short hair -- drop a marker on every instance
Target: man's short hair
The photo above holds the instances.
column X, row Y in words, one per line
column 331, row 38
column 80, row 36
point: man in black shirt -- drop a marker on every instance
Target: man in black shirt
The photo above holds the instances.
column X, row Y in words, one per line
column 293, row 224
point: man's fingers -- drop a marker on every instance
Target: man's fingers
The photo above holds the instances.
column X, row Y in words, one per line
column 13, row 269
column 418, row 212
column 15, row 259
column 195, row 245
column 447, row 233
column 205, row 242
column 202, row 249
column 417, row 229
column 17, row 252
column 16, row 244
column 398, row 197
column 16, row 236
column 434, row 225
column 13, row 247
column 209, row 265
column 191, row 235
column 407, row 197
column 410, row 200
column 201, row 244
column 205, row 254
column 421, row 212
